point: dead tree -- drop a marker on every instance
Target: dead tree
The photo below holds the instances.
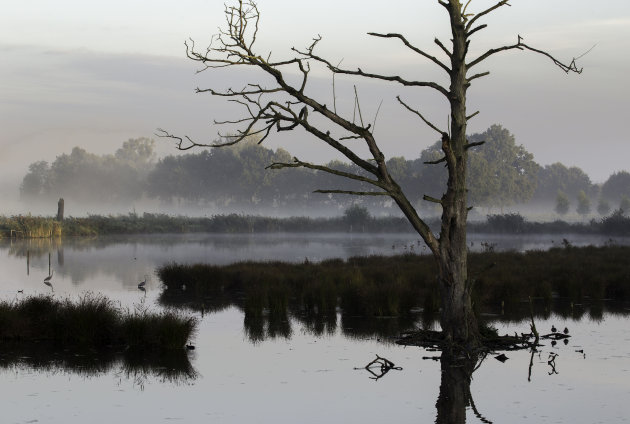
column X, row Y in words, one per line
column 285, row 105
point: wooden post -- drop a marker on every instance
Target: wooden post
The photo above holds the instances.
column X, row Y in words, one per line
column 60, row 206
column 28, row 262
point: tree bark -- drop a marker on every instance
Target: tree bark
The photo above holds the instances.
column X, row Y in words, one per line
column 458, row 321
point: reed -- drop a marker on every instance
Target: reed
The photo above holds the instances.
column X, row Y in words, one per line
column 28, row 226
column 616, row 224
column 401, row 286
column 93, row 321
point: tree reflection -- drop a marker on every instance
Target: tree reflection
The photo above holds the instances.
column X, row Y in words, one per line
column 455, row 395
column 165, row 366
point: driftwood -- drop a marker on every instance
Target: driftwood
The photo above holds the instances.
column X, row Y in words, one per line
column 434, row 340
column 383, row 364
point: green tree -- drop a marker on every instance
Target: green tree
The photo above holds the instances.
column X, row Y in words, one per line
column 557, row 177
column 583, row 204
column 562, row 203
column 510, row 176
column 36, row 182
column 89, row 179
column 284, row 102
column 624, row 205
column 500, row 172
column 603, row 207
column 616, row 186
column 137, row 152
column 356, row 217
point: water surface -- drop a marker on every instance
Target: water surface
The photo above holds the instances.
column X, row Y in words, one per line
column 305, row 377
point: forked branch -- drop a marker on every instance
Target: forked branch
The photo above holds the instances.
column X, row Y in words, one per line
column 567, row 68
column 415, row 49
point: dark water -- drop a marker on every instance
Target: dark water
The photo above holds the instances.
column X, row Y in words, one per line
column 298, row 375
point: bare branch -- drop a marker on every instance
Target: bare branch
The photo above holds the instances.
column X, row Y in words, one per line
column 571, row 67
column 474, row 144
column 333, row 87
column 483, row 74
column 359, row 72
column 435, row 162
column 469, row 117
column 493, row 51
column 485, row 12
column 376, row 116
column 479, row 28
column 299, row 164
column 357, row 105
column 414, row 48
column 444, row 49
column 435, row 128
column 431, row 199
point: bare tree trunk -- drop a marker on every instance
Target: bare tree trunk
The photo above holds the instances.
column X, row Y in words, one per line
column 457, row 318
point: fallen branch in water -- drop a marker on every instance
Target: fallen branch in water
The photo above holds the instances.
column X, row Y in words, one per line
column 384, row 364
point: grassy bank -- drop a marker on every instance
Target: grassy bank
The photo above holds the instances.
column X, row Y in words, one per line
column 91, row 322
column 27, row 226
column 571, row 281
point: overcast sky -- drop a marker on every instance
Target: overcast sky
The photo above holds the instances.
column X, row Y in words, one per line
column 95, row 74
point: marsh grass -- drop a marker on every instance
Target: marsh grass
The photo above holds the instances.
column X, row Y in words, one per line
column 93, row 321
column 28, row 226
column 616, row 224
column 381, row 295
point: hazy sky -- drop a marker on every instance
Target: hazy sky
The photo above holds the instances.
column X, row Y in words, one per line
column 94, row 74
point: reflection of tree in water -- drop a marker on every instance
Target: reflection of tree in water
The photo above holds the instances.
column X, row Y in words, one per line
column 455, row 395
column 373, row 300
column 167, row 366
column 366, row 308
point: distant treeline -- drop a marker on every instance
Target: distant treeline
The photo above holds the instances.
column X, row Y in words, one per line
column 355, row 219
column 500, row 174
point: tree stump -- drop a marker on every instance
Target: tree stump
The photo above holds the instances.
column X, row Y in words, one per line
column 60, row 206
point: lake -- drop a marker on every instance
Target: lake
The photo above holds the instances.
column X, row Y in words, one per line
column 295, row 373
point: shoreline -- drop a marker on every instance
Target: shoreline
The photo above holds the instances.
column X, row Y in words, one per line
column 26, row 226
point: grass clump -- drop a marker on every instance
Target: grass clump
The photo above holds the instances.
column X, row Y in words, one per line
column 93, row 321
column 29, row 226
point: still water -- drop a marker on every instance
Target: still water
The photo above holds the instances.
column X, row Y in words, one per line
column 299, row 375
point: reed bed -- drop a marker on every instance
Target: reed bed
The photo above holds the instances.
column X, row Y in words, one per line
column 93, row 321
column 28, row 226
column 616, row 224
column 399, row 286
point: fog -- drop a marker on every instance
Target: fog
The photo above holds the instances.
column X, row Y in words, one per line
column 61, row 94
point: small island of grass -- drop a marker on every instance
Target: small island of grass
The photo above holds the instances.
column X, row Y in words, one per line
column 569, row 280
column 92, row 322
